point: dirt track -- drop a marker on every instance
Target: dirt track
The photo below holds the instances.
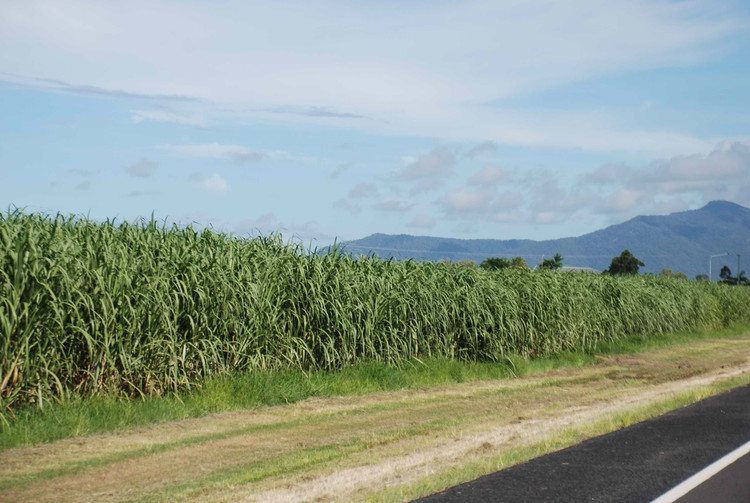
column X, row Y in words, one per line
column 344, row 448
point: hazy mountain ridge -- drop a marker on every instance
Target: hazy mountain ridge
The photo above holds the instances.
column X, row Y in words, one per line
column 680, row 241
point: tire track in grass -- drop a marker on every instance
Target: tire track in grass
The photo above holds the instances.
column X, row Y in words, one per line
column 344, row 484
column 222, row 455
column 322, row 437
column 18, row 466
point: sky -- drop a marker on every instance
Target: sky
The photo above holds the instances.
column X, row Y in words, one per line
column 332, row 120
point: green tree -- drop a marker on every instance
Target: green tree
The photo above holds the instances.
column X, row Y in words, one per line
column 726, row 275
column 701, row 277
column 625, row 263
column 494, row 263
column 668, row 273
column 551, row 263
column 518, row 263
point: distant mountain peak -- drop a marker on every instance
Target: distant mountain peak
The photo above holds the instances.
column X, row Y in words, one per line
column 724, row 205
column 680, row 241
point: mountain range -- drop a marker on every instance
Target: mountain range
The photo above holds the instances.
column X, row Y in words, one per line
column 681, row 241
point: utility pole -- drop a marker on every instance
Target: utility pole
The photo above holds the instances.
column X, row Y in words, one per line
column 709, row 263
column 738, row 269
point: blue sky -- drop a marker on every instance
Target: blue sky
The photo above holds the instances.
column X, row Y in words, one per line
column 329, row 119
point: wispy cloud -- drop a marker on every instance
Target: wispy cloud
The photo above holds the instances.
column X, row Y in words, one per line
column 433, row 165
column 486, row 147
column 141, row 193
column 464, row 200
column 91, row 90
column 138, row 116
column 340, row 169
column 723, row 173
column 142, row 169
column 363, row 190
column 214, row 183
column 310, row 112
column 348, row 206
column 235, row 153
column 264, row 224
column 489, row 175
column 614, row 191
column 82, row 172
column 553, row 200
column 450, row 81
column 422, row 222
column 428, row 171
column 483, row 202
column 270, row 223
column 394, row 205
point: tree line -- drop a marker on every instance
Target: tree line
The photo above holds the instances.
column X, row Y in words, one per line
column 623, row 264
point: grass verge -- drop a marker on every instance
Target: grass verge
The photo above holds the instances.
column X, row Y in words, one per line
column 437, row 482
column 78, row 416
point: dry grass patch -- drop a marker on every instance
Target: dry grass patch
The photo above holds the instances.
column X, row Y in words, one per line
column 342, row 448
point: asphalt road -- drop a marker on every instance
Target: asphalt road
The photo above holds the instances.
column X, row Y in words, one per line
column 635, row 464
column 730, row 485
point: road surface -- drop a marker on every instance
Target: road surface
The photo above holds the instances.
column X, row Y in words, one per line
column 638, row 463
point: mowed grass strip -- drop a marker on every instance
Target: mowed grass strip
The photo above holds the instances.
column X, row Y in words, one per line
column 299, row 453
column 23, row 466
column 501, row 458
column 243, row 390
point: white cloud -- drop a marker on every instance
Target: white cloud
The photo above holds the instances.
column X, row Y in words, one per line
column 141, row 193
column 550, row 195
column 506, row 201
column 509, row 217
column 422, row 222
column 142, row 169
column 486, row 147
column 459, row 56
column 347, row 206
column 430, row 166
column 728, row 161
column 138, row 116
column 467, row 227
column 547, row 217
column 83, row 172
column 621, row 201
column 340, row 169
column 427, row 172
column 269, row 223
column 235, row 153
column 723, row 173
column 214, row 183
column 311, row 112
column 425, row 185
column 489, row 175
column 363, row 190
column 264, row 224
column 483, row 204
column 463, row 199
column 610, row 193
column 604, row 175
column 394, row 205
